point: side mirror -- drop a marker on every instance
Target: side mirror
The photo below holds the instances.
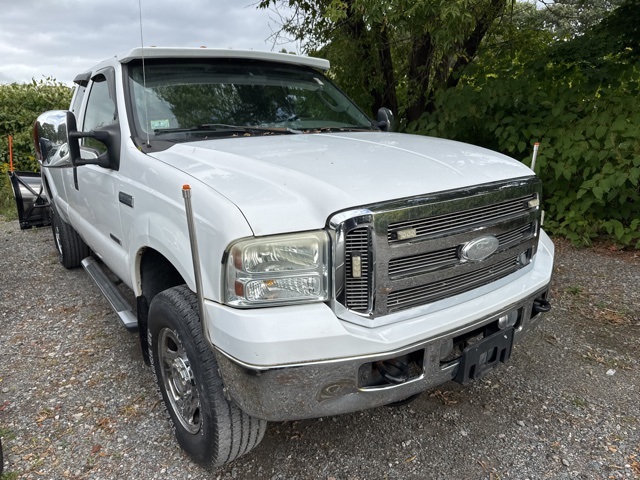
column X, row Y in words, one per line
column 108, row 135
column 51, row 139
column 57, row 142
column 386, row 121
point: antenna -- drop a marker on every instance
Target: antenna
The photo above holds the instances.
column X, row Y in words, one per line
column 144, row 76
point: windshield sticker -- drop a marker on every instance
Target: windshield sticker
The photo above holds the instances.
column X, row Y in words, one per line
column 156, row 124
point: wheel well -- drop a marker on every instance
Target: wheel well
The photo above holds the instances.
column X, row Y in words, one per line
column 156, row 275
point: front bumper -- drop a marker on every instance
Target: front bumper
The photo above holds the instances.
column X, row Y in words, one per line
column 334, row 387
column 303, row 362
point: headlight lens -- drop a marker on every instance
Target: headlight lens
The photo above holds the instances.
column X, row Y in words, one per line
column 282, row 269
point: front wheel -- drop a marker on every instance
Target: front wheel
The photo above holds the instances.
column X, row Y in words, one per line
column 209, row 427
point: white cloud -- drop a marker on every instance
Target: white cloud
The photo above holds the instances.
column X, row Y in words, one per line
column 41, row 38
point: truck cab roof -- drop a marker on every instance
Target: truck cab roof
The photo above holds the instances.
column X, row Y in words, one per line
column 203, row 52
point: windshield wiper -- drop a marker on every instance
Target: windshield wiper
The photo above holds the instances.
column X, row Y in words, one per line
column 224, row 128
column 354, row 128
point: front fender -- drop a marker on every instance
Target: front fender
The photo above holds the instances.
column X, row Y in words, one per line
column 218, row 222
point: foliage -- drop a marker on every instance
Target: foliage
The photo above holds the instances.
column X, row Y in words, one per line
column 618, row 33
column 7, row 204
column 20, row 105
column 583, row 105
column 567, row 19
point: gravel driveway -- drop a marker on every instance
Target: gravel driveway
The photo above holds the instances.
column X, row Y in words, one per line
column 76, row 400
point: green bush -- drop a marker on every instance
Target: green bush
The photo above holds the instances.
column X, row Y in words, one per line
column 581, row 101
column 20, row 105
column 589, row 136
column 7, row 205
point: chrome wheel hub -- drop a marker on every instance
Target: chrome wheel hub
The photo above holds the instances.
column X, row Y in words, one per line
column 179, row 381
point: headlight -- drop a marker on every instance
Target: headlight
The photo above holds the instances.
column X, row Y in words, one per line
column 283, row 269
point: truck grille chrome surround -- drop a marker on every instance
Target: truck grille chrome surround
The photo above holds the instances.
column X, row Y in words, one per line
column 402, row 254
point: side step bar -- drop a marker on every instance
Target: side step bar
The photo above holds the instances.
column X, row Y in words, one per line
column 115, row 298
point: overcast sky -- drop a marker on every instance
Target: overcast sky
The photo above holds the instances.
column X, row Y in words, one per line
column 61, row 38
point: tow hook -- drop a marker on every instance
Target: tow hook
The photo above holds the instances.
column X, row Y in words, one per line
column 399, row 373
column 540, row 305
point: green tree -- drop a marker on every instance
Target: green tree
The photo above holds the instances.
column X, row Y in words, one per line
column 396, row 53
column 567, row 19
column 581, row 100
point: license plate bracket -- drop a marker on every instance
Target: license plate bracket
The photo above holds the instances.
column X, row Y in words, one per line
column 485, row 355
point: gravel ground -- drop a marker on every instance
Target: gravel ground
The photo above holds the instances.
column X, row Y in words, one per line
column 76, row 400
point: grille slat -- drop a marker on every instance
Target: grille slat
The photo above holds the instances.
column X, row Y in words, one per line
column 517, row 234
column 422, row 262
column 416, row 264
column 460, row 220
column 452, row 286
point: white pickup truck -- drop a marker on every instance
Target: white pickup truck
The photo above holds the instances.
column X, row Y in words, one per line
column 290, row 257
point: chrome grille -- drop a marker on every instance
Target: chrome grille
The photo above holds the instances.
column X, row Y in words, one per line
column 518, row 234
column 426, row 261
column 399, row 267
column 460, row 220
column 358, row 289
column 423, row 264
column 432, row 292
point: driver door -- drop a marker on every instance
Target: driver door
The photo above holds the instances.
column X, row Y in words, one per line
column 93, row 190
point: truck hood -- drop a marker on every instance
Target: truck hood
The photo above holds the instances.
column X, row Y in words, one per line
column 287, row 183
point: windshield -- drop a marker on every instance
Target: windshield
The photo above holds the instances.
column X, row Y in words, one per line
column 220, row 97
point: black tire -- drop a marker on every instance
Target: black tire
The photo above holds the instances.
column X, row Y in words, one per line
column 71, row 248
column 210, row 428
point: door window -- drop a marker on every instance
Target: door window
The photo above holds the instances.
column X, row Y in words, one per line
column 100, row 112
column 77, row 99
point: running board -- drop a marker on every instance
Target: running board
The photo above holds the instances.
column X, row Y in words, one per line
column 115, row 298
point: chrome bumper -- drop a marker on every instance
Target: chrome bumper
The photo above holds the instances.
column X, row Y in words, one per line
column 332, row 387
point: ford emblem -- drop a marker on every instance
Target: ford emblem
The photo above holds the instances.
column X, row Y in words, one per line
column 479, row 248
